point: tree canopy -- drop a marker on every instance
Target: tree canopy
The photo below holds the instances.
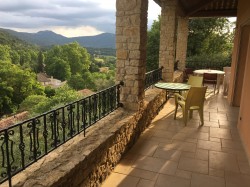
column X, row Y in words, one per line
column 208, row 37
column 66, row 60
column 16, row 85
column 153, row 45
column 19, row 88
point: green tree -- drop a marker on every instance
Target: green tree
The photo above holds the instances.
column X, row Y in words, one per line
column 49, row 92
column 59, row 68
column 25, row 57
column 38, row 104
column 40, row 62
column 153, row 44
column 5, row 53
column 77, row 82
column 22, row 81
column 77, row 57
column 72, row 54
column 88, row 80
column 64, row 95
column 6, row 104
column 208, row 36
column 15, row 57
column 102, row 80
column 31, row 102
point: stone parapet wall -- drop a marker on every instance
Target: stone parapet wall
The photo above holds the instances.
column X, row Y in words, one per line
column 87, row 161
column 178, row 76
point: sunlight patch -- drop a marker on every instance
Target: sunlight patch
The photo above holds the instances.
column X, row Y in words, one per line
column 77, row 31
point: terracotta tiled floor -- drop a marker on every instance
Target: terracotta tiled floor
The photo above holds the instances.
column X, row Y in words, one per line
column 168, row 154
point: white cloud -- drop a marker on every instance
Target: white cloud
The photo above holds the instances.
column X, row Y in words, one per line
column 153, row 11
column 77, row 31
column 85, row 16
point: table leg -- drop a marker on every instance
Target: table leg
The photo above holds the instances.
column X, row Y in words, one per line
column 219, row 78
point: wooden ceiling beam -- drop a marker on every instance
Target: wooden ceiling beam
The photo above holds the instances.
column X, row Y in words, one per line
column 215, row 13
column 201, row 4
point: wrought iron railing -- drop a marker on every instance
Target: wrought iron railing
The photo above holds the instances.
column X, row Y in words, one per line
column 153, row 77
column 26, row 142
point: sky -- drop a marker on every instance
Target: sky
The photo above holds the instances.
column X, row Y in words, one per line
column 70, row 18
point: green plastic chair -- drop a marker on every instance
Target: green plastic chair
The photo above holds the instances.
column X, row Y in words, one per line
column 193, row 81
column 194, row 101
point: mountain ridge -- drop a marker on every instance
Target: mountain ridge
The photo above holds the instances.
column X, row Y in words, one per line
column 48, row 38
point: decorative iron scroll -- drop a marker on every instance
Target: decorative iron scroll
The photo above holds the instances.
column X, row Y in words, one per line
column 24, row 143
column 153, row 77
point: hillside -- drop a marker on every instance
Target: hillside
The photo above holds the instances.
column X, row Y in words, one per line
column 13, row 41
column 48, row 38
column 104, row 40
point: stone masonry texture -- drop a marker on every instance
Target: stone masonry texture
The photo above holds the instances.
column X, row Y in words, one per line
column 131, row 40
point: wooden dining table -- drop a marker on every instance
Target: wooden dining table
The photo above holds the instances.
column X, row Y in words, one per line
column 220, row 75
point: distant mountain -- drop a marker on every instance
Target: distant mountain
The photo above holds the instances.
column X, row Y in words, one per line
column 104, row 40
column 13, row 41
column 48, row 38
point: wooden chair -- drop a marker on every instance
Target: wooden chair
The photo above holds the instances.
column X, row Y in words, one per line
column 210, row 78
column 187, row 72
column 194, row 101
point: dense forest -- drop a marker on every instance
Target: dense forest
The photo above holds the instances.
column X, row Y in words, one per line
column 20, row 63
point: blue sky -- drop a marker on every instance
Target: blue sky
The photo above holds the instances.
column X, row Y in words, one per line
column 67, row 17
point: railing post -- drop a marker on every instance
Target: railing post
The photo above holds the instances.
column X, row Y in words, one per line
column 118, row 94
column 6, row 139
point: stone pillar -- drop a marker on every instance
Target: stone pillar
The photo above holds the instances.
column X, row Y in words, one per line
column 131, row 41
column 181, row 44
column 168, row 38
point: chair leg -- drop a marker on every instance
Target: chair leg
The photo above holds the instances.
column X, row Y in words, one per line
column 175, row 112
column 190, row 114
column 185, row 116
column 201, row 116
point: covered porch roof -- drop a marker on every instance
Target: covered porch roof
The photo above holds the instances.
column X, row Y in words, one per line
column 207, row 8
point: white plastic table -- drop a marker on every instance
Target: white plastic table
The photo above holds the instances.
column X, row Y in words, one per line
column 220, row 75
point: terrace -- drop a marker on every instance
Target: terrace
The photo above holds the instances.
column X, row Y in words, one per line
column 167, row 152
column 171, row 154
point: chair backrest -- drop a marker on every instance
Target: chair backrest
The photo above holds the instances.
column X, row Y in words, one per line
column 187, row 72
column 195, row 81
column 196, row 96
column 210, row 78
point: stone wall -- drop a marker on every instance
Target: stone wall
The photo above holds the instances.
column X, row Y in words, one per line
column 181, row 43
column 168, row 38
column 131, row 41
column 87, row 161
column 178, row 76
